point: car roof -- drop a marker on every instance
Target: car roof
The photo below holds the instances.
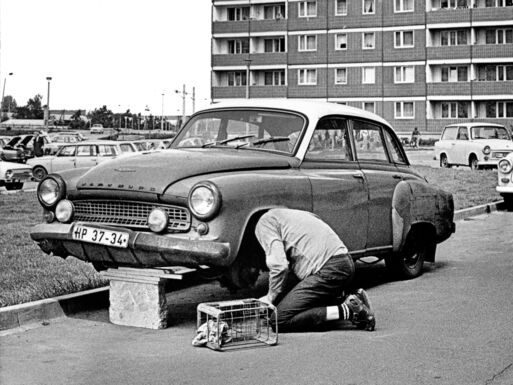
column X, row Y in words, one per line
column 86, row 142
column 312, row 109
column 474, row 124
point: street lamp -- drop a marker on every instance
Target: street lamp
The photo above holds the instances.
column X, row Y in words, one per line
column 162, row 115
column 248, row 63
column 47, row 111
column 183, row 102
column 3, row 93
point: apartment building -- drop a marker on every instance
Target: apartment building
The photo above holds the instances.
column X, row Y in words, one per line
column 423, row 63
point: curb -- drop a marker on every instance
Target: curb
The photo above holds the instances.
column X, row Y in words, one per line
column 25, row 314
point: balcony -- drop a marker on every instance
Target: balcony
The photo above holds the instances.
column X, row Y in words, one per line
column 492, row 88
column 492, row 50
column 444, row 16
column 449, row 88
column 267, row 25
column 272, row 58
column 492, row 14
column 224, row 92
column 448, row 52
column 229, row 60
column 230, row 27
column 268, row 91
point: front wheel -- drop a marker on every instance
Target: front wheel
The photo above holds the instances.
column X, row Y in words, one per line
column 39, row 172
column 444, row 162
column 473, row 163
column 408, row 263
column 508, row 201
column 14, row 186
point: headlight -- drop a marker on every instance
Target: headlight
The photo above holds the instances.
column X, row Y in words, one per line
column 204, row 200
column 157, row 220
column 8, row 174
column 50, row 190
column 64, row 211
column 504, row 166
column 486, row 150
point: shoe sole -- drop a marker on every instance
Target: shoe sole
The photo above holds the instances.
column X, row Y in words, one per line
column 370, row 323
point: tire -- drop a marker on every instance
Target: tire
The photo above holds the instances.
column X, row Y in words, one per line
column 508, row 201
column 444, row 162
column 473, row 163
column 409, row 262
column 14, row 186
column 39, row 172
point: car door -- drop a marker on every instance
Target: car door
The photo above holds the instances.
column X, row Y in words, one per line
column 381, row 176
column 106, row 152
column 64, row 159
column 86, row 156
column 447, row 144
column 339, row 191
column 462, row 145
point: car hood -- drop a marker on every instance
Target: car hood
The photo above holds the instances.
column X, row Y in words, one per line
column 154, row 171
column 4, row 166
column 496, row 144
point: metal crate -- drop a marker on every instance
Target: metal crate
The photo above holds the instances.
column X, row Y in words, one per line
column 238, row 324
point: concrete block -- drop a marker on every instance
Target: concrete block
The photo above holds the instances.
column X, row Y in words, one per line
column 140, row 304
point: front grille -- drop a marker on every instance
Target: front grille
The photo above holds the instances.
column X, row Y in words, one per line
column 21, row 174
column 129, row 214
column 500, row 154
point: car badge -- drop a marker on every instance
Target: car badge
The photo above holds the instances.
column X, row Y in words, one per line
column 124, row 169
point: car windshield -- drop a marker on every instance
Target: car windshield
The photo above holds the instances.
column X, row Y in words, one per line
column 267, row 130
column 490, row 132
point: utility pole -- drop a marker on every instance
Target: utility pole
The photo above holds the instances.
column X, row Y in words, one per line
column 162, row 115
column 3, row 93
column 193, row 100
column 47, row 114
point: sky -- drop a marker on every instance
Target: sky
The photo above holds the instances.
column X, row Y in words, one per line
column 120, row 53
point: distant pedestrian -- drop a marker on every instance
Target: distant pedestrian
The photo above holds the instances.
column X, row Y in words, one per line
column 39, row 144
column 415, row 137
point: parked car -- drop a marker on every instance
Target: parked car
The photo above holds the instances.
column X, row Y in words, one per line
column 505, row 179
column 96, row 129
column 56, row 141
column 79, row 155
column 13, row 175
column 4, row 140
column 20, row 148
column 194, row 205
column 472, row 144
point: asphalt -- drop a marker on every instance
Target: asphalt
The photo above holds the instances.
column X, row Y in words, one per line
column 452, row 325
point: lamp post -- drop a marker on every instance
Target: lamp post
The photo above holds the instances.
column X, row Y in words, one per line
column 248, row 63
column 3, row 93
column 47, row 111
column 183, row 102
column 162, row 115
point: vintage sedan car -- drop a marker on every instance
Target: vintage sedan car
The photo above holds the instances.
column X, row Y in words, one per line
column 13, row 175
column 78, row 155
column 474, row 144
column 505, row 180
column 197, row 204
column 96, row 129
column 56, row 141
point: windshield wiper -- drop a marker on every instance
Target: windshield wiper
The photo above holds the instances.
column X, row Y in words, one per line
column 271, row 139
column 227, row 140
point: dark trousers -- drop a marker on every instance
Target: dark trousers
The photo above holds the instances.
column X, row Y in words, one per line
column 304, row 307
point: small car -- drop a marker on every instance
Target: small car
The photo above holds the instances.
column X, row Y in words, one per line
column 197, row 204
column 78, row 155
column 505, row 180
column 96, row 129
column 4, row 140
column 13, row 175
column 474, row 144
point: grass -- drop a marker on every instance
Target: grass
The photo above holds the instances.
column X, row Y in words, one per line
column 28, row 274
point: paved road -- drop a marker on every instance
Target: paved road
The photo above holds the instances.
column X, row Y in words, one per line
column 451, row 326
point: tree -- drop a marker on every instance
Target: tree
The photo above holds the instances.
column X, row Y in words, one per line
column 9, row 104
column 102, row 116
column 33, row 109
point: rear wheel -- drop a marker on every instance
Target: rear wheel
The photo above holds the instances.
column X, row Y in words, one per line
column 508, row 201
column 444, row 162
column 39, row 172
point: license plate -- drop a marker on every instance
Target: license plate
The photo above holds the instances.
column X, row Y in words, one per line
column 100, row 236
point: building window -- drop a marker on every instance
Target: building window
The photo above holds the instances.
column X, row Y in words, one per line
column 499, row 36
column 403, row 39
column 453, row 4
column 238, row 46
column 368, row 40
column 274, row 78
column 495, row 73
column 276, row 44
column 369, row 107
column 452, row 110
column 307, row 8
column 340, row 75
column 307, row 77
column 457, row 37
column 403, row 6
column 272, row 12
column 404, row 110
column 238, row 13
column 341, row 7
column 340, row 41
column 499, row 109
column 454, row 74
column 307, row 43
column 404, row 74
column 369, row 7
column 236, row 78
column 368, row 75
column 499, row 3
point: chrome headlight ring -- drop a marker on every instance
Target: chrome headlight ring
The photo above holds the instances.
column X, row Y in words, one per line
column 487, row 150
column 51, row 190
column 204, row 200
column 505, row 166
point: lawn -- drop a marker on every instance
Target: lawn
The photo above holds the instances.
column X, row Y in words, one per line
column 28, row 274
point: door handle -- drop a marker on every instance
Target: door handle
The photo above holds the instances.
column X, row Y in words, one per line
column 358, row 175
column 396, row 176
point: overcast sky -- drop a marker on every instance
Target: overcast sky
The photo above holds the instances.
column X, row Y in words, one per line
column 118, row 53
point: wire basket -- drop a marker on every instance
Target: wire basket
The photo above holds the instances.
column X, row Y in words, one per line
column 237, row 324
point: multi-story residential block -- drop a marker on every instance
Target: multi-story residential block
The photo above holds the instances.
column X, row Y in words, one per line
column 423, row 63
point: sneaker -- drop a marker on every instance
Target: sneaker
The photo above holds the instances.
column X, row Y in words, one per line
column 363, row 316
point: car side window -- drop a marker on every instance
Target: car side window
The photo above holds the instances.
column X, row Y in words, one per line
column 450, row 133
column 368, row 142
column 85, row 151
column 106, row 150
column 330, row 141
column 125, row 147
column 462, row 133
column 394, row 147
column 67, row 151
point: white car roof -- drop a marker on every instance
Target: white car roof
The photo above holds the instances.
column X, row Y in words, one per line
column 474, row 124
column 312, row 109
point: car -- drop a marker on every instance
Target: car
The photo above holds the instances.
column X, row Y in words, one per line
column 56, row 141
column 20, row 148
column 96, row 129
column 197, row 204
column 13, row 175
column 505, row 180
column 474, row 144
column 4, row 140
column 76, row 155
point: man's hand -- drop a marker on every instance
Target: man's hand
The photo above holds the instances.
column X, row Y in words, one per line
column 266, row 300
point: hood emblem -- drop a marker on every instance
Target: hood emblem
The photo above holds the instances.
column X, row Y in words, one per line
column 124, row 169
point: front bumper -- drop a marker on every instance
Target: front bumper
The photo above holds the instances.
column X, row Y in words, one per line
column 144, row 249
column 505, row 189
